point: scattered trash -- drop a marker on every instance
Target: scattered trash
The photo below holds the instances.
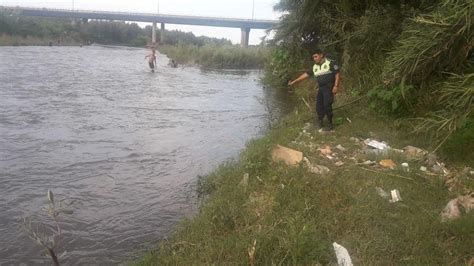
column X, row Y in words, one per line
column 348, row 120
column 307, row 126
column 314, row 168
column 289, row 156
column 245, row 180
column 326, row 150
column 423, row 169
column 354, row 139
column 342, row 255
column 368, row 162
column 329, row 157
column 376, row 144
column 452, row 210
column 395, row 196
column 339, row 147
column 471, row 173
column 339, row 163
column 405, row 167
column 382, row 193
column 431, row 159
column 414, row 152
column 439, row 168
column 388, row 163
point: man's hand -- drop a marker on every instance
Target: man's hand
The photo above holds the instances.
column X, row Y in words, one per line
column 334, row 90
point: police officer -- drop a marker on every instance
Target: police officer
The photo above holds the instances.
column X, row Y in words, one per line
column 328, row 77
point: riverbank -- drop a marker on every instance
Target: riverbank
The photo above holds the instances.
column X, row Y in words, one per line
column 292, row 215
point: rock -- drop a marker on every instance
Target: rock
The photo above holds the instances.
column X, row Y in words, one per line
column 245, row 180
column 326, row 150
column 314, row 168
column 414, row 152
column 395, row 196
column 388, row 163
column 288, row 156
column 423, row 169
column 339, row 163
column 354, row 139
column 369, row 162
column 451, row 211
column 431, row 159
column 307, row 126
column 339, row 147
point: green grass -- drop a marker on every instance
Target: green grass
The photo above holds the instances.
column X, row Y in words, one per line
column 217, row 56
column 287, row 215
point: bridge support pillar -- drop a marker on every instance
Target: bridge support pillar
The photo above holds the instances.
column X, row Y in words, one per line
column 162, row 33
column 153, row 33
column 244, row 37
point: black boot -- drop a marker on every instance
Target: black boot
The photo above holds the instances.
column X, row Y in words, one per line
column 330, row 125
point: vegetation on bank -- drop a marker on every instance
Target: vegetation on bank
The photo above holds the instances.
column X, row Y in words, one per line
column 288, row 215
column 218, row 56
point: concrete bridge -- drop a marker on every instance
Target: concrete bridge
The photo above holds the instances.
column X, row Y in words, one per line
column 244, row 24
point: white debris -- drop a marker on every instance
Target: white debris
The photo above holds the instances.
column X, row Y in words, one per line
column 245, row 180
column 395, row 196
column 376, row 144
column 342, row 255
column 339, row 147
column 405, row 167
column 354, row 139
column 314, row 168
column 451, row 211
column 423, row 169
column 382, row 193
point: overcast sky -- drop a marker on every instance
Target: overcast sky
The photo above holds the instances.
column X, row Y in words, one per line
column 262, row 9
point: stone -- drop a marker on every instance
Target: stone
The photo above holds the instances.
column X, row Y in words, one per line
column 423, row 169
column 340, row 147
column 414, row 153
column 451, row 211
column 288, row 156
column 326, row 150
column 314, row 168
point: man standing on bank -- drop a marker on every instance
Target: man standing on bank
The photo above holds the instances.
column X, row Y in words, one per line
column 328, row 77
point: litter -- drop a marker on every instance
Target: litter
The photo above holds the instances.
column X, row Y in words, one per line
column 315, row 169
column 382, row 193
column 423, row 169
column 342, row 255
column 326, row 150
column 354, row 139
column 405, row 167
column 451, row 211
column 348, row 120
column 388, row 163
column 376, row 144
column 414, row 152
column 339, row 163
column 395, row 196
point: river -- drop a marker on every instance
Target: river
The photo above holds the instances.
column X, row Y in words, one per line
column 123, row 147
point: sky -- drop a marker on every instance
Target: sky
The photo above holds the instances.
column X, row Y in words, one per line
column 260, row 9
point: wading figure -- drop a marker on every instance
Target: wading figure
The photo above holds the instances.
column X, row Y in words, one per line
column 328, row 77
column 151, row 60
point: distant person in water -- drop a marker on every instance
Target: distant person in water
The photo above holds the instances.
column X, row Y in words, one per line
column 172, row 63
column 151, row 60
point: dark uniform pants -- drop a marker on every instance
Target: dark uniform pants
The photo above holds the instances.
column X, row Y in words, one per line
column 324, row 100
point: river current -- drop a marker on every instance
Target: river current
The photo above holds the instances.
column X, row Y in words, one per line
column 123, row 147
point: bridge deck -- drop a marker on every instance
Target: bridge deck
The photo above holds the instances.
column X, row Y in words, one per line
column 147, row 17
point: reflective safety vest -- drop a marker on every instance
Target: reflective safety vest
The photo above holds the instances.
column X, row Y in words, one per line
column 322, row 69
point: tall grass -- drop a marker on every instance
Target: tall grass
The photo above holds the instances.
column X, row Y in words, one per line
column 217, row 56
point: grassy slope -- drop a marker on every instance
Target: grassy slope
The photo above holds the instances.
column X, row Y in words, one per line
column 291, row 216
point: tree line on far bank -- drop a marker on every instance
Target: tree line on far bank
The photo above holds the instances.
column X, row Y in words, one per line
column 20, row 30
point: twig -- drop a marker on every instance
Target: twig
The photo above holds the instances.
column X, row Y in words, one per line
column 349, row 103
column 378, row 172
column 306, row 103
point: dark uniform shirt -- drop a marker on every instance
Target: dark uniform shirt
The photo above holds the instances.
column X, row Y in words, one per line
column 325, row 73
